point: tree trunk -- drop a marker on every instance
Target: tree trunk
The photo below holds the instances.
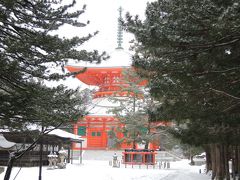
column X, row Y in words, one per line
column 233, row 155
column 191, row 160
column 40, row 157
column 146, row 145
column 235, row 162
column 134, row 144
column 218, row 162
column 226, row 159
column 40, row 161
column 208, row 158
column 9, row 167
column 222, row 167
column 238, row 161
column 213, row 160
column 149, row 130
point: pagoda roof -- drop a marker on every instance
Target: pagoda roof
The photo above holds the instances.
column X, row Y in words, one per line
column 95, row 72
column 93, row 75
column 117, row 58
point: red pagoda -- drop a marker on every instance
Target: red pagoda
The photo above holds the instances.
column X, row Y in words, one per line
column 107, row 78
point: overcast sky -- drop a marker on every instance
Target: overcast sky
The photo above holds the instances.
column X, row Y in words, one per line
column 103, row 15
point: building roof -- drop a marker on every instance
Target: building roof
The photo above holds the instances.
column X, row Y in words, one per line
column 94, row 75
column 102, row 106
column 65, row 134
column 54, row 136
column 5, row 144
column 118, row 58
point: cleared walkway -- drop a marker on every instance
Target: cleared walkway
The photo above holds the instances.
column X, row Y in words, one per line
column 100, row 170
column 176, row 172
column 101, row 155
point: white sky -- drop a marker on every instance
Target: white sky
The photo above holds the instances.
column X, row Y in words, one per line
column 103, row 15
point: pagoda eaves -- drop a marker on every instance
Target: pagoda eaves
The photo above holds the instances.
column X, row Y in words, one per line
column 98, row 76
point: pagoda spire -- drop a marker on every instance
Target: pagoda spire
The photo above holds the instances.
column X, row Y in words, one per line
column 120, row 30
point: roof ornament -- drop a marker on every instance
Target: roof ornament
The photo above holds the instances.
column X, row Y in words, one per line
column 120, row 30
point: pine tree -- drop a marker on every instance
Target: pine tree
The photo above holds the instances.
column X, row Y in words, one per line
column 28, row 50
column 189, row 52
column 135, row 110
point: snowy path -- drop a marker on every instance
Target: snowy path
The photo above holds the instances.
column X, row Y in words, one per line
column 181, row 170
column 183, row 175
column 100, row 170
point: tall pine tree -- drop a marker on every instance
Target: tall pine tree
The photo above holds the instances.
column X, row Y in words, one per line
column 136, row 111
column 189, row 51
column 27, row 49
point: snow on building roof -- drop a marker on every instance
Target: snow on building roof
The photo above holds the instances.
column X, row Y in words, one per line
column 65, row 134
column 56, row 132
column 5, row 144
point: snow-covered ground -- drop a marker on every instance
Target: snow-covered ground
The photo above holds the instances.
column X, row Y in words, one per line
column 100, row 170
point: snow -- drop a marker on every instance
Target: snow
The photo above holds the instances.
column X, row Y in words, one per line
column 118, row 58
column 103, row 16
column 56, row 132
column 102, row 106
column 100, row 170
column 65, row 134
column 5, row 143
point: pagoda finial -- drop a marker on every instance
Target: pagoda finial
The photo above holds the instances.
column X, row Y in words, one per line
column 120, row 30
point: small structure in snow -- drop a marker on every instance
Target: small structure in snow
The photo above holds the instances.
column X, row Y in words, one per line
column 53, row 141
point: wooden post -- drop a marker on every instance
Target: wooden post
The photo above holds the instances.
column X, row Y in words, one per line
column 71, row 156
column 69, row 153
column 80, row 152
column 40, row 160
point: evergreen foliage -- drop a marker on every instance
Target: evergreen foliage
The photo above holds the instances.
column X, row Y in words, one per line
column 28, row 48
column 135, row 111
column 189, row 51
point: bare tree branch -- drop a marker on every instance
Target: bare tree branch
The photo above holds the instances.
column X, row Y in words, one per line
column 224, row 93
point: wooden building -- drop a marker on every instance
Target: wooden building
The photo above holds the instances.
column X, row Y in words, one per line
column 52, row 142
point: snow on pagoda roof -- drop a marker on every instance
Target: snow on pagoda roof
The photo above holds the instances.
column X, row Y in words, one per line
column 118, row 58
column 101, row 106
